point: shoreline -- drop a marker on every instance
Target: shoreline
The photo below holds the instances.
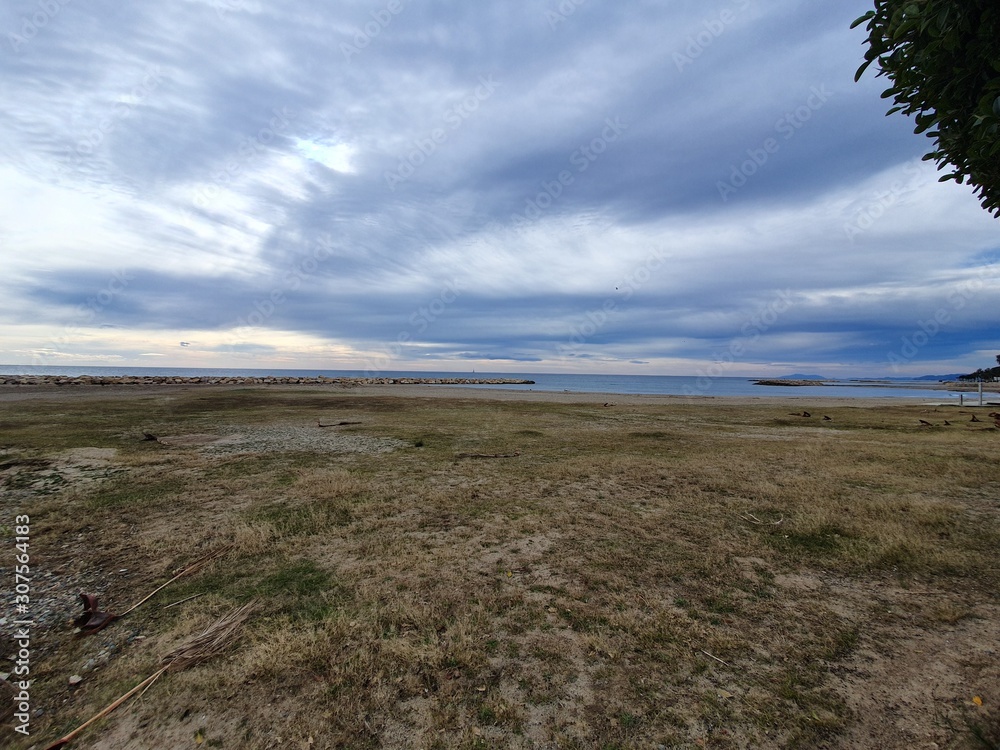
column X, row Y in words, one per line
column 952, row 386
column 26, row 387
column 11, row 393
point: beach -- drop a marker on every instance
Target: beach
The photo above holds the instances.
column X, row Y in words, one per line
column 440, row 566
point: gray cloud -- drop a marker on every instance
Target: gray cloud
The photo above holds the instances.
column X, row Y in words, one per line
column 238, row 158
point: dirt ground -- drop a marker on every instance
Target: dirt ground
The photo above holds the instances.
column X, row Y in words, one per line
column 439, row 567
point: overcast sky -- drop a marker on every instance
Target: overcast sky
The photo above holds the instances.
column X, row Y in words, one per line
column 639, row 187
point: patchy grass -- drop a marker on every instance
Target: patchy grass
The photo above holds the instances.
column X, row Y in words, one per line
column 718, row 575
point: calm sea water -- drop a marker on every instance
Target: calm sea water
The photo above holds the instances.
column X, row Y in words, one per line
column 673, row 385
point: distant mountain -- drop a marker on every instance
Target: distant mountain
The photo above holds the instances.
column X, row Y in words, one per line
column 800, row 376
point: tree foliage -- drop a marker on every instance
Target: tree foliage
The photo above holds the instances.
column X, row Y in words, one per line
column 990, row 373
column 943, row 60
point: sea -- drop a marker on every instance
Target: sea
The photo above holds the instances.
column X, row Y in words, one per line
column 670, row 385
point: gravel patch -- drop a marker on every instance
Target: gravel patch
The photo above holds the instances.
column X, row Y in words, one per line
column 310, row 439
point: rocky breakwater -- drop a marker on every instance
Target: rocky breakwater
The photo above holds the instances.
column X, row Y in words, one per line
column 153, row 380
column 785, row 382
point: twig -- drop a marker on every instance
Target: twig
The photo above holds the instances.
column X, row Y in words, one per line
column 716, row 658
column 488, row 455
column 192, row 568
column 753, row 519
column 186, row 599
column 927, row 593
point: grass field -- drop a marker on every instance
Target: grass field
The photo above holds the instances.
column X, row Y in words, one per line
column 478, row 573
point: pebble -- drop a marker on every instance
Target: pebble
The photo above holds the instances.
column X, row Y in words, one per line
column 75, row 679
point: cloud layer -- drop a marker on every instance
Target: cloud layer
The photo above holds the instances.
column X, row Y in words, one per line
column 546, row 186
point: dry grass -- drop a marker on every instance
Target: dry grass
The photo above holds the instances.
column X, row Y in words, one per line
column 721, row 576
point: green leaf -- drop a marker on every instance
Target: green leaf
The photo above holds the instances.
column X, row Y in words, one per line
column 866, row 17
column 862, row 69
column 941, row 58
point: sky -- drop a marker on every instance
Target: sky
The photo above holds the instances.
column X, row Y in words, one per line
column 637, row 187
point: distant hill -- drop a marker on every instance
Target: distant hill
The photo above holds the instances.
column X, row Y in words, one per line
column 800, row 376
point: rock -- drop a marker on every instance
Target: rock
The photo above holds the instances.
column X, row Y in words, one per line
column 75, row 680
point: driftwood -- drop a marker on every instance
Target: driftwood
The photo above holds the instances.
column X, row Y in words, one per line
column 338, row 424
